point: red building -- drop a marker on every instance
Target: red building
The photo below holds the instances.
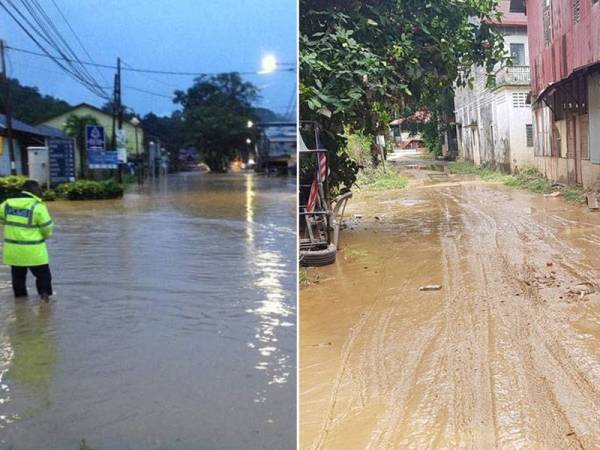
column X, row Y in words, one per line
column 564, row 53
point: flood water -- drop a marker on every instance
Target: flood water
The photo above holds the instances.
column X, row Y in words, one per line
column 172, row 326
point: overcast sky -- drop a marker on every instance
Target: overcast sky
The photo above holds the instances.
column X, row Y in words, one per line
column 175, row 35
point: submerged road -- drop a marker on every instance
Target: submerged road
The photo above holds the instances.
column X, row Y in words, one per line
column 172, row 327
column 505, row 355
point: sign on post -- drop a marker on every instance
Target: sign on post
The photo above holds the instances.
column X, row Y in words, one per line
column 61, row 158
column 94, row 137
column 98, row 156
column 106, row 159
column 122, row 145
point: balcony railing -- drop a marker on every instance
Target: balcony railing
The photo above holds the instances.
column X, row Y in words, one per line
column 516, row 75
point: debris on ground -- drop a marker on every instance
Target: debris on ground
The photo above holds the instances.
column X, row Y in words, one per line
column 553, row 194
column 431, row 287
column 593, row 201
column 582, row 289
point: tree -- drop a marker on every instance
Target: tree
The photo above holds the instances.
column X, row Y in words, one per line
column 170, row 130
column 75, row 127
column 29, row 106
column 216, row 111
column 362, row 62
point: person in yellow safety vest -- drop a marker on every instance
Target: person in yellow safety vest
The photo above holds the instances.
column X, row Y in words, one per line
column 27, row 225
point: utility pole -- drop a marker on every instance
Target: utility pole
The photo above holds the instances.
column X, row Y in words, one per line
column 117, row 114
column 9, row 134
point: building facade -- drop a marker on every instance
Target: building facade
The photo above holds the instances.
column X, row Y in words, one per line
column 494, row 125
column 106, row 121
column 564, row 46
column 24, row 136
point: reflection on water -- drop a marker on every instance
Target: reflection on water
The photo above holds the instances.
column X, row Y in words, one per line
column 172, row 326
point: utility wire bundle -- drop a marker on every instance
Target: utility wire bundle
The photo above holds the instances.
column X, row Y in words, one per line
column 31, row 17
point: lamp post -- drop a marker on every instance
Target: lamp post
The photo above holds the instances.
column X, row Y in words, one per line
column 136, row 122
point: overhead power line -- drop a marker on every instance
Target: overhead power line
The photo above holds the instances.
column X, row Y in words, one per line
column 77, row 38
column 39, row 27
column 134, row 69
column 47, row 31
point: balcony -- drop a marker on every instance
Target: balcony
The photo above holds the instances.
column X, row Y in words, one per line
column 514, row 76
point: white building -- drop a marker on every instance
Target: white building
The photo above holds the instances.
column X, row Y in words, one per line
column 495, row 125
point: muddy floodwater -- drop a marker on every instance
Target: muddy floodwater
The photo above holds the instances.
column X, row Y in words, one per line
column 505, row 355
column 172, row 327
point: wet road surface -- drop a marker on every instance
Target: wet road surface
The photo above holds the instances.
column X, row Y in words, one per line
column 505, row 355
column 172, row 326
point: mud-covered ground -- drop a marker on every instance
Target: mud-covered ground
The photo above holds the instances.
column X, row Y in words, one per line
column 505, row 355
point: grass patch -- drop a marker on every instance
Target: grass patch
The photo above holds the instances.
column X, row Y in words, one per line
column 351, row 253
column 380, row 179
column 308, row 277
column 528, row 179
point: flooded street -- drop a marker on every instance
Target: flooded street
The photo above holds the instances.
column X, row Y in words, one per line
column 505, row 355
column 172, row 326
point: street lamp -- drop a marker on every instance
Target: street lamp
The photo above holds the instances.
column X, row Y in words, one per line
column 136, row 122
column 269, row 64
column 250, row 124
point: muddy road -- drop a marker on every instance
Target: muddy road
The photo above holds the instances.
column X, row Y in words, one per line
column 505, row 355
column 172, row 326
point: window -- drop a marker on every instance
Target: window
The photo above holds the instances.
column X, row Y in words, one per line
column 529, row 133
column 519, row 100
column 517, row 54
column 576, row 11
column 547, row 18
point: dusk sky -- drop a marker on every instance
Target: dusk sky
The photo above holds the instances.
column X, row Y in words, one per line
column 177, row 35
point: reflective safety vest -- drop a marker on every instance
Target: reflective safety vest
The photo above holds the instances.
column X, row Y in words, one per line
column 27, row 225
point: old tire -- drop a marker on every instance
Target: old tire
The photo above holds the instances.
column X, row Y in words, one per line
column 318, row 258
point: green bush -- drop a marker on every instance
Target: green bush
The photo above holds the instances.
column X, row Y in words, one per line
column 382, row 179
column 358, row 147
column 90, row 190
column 11, row 185
column 49, row 195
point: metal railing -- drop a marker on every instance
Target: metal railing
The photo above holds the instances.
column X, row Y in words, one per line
column 519, row 75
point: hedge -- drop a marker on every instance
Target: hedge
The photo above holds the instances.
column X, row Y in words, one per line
column 89, row 190
column 77, row 190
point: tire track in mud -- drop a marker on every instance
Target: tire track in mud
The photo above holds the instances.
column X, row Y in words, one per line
column 493, row 362
column 541, row 352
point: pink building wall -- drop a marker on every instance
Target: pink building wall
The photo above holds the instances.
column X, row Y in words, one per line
column 574, row 45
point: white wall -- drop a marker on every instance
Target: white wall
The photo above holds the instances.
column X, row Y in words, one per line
column 594, row 117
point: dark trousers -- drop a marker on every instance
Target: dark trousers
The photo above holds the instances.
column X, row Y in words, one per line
column 43, row 279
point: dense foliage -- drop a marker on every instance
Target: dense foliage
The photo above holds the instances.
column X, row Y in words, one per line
column 29, row 106
column 77, row 190
column 216, row 111
column 89, row 190
column 364, row 62
column 10, row 185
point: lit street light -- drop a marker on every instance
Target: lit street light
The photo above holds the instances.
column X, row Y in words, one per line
column 269, row 64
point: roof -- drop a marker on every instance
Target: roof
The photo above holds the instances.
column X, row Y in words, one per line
column 23, row 127
column 512, row 14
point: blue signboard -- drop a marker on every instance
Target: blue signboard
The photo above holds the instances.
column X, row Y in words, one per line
column 94, row 137
column 103, row 159
column 61, row 157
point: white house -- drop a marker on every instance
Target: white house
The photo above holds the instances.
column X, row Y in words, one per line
column 495, row 125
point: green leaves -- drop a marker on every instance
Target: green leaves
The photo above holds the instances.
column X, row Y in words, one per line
column 393, row 53
column 216, row 111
